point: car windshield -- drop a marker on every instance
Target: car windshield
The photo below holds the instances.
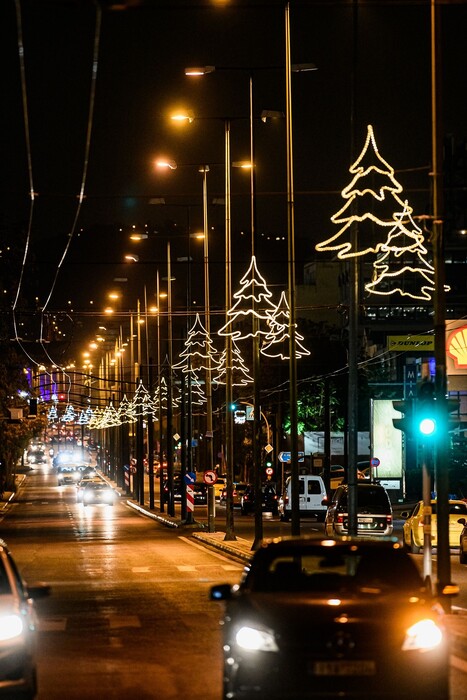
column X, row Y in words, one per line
column 371, row 498
column 366, row 571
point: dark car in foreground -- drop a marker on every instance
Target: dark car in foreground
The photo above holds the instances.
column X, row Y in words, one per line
column 18, row 630
column 320, row 618
column 269, row 499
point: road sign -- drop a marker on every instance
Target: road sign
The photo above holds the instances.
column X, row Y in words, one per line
column 286, row 457
column 269, row 448
column 269, row 471
column 210, row 477
column 189, row 478
column 375, row 462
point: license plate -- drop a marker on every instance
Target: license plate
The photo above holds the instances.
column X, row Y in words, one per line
column 356, row 667
column 365, row 520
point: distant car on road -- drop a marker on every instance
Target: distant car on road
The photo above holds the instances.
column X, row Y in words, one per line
column 98, row 492
column 269, row 499
column 18, row 630
column 238, row 489
column 320, row 618
column 374, row 511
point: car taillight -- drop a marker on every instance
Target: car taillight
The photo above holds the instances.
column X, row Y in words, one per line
column 340, row 519
column 389, row 519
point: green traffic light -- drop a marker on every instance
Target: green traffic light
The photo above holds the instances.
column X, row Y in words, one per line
column 427, row 426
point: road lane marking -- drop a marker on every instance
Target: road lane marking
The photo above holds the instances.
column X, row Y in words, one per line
column 186, row 568
column 140, row 569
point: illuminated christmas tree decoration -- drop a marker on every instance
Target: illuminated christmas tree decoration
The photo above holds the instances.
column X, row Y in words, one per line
column 375, row 184
column 142, row 404
column 126, row 411
column 52, row 415
column 161, row 394
column 199, row 353
column 110, row 418
column 69, row 416
column 253, row 301
column 276, row 342
column 402, row 268
column 96, row 419
column 240, row 374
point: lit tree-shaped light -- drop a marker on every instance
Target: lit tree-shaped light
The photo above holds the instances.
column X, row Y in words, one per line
column 110, row 418
column 142, row 404
column 276, row 343
column 126, row 411
column 83, row 418
column 198, row 396
column 378, row 192
column 69, row 416
column 96, row 419
column 52, row 414
column 253, row 300
column 240, row 373
column 402, row 267
column 161, row 393
column 198, row 350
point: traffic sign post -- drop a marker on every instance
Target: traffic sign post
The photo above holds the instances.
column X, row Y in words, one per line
column 210, row 478
column 189, row 478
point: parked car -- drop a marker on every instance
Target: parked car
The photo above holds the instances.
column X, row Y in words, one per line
column 269, row 503
column 463, row 541
column 413, row 526
column 98, row 492
column 237, row 493
column 374, row 511
column 318, row 618
column 18, row 630
column 311, row 492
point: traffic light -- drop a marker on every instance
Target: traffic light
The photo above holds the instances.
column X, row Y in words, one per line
column 427, row 420
column 406, row 422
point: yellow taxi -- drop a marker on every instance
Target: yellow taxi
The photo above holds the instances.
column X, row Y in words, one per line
column 413, row 526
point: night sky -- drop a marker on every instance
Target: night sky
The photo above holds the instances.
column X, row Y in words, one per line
column 143, row 51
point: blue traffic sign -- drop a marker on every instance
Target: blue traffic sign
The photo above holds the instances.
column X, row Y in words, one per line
column 189, row 478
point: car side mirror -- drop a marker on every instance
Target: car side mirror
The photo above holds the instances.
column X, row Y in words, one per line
column 405, row 514
column 325, row 502
column 462, row 521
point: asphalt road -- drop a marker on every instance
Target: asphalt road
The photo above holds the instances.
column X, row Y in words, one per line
column 129, row 614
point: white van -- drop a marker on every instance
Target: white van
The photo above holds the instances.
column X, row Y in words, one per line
column 311, row 491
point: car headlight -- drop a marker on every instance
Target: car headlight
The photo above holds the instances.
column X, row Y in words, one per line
column 424, row 635
column 253, row 639
column 11, row 626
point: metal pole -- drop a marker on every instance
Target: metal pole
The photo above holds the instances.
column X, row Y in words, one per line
column 229, row 521
column 295, row 522
column 159, row 432
column 207, row 322
column 442, row 448
column 170, row 466
column 353, row 321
